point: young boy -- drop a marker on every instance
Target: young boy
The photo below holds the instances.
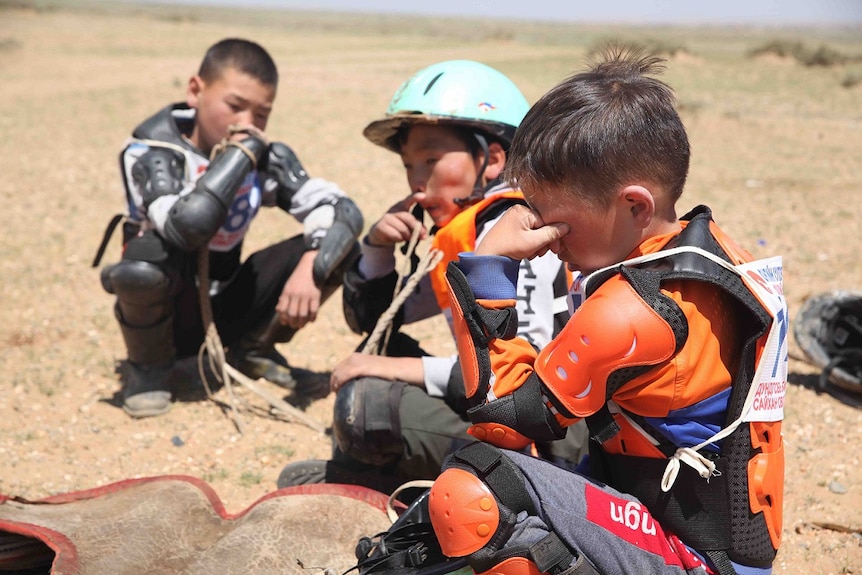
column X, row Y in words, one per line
column 676, row 356
column 185, row 191
column 397, row 414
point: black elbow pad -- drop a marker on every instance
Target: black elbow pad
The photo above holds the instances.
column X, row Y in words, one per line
column 281, row 164
column 193, row 220
column 197, row 216
column 364, row 301
column 339, row 239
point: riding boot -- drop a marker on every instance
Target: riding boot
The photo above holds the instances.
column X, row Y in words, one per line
column 146, row 391
column 255, row 356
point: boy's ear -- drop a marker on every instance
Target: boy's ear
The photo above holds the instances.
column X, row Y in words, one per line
column 496, row 161
column 193, row 91
column 640, row 203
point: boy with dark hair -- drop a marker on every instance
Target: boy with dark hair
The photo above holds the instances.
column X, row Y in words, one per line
column 196, row 173
column 676, row 356
column 398, row 413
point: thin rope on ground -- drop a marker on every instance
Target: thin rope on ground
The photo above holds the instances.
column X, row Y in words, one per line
column 226, row 373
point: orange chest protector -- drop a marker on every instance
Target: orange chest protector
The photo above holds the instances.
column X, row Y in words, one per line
column 727, row 505
column 459, row 235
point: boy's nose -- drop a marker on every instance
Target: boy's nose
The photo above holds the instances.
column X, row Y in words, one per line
column 244, row 118
column 417, row 184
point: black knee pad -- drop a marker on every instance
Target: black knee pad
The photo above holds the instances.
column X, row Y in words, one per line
column 141, row 277
column 142, row 290
column 141, row 283
column 366, row 424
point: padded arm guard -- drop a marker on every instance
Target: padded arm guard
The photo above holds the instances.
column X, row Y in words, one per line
column 197, row 216
column 282, row 166
column 159, row 172
column 511, row 412
column 339, row 239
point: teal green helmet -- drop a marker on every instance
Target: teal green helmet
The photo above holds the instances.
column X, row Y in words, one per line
column 457, row 92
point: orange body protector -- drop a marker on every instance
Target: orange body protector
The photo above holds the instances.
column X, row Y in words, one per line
column 640, row 346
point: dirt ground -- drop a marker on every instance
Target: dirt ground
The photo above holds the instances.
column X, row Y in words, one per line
column 776, row 154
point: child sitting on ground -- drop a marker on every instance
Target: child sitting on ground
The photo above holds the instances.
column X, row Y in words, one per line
column 676, row 356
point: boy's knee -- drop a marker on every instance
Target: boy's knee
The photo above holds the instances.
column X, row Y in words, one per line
column 366, row 423
column 464, row 512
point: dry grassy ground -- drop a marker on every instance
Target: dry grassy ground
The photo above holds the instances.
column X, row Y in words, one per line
column 776, row 153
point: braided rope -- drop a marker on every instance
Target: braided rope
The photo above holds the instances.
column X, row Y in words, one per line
column 226, row 142
column 426, row 263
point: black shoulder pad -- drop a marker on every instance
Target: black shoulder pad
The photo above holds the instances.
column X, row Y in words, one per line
column 159, row 172
column 165, row 126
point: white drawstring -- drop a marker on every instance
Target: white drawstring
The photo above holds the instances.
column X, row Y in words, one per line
column 704, row 467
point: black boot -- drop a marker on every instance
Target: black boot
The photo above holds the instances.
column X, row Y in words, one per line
column 147, row 392
column 146, row 389
column 255, row 356
column 311, row 471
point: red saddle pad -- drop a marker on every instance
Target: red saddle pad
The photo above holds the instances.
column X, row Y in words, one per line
column 177, row 524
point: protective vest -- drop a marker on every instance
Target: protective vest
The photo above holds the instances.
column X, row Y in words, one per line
column 725, row 503
column 165, row 129
column 459, row 235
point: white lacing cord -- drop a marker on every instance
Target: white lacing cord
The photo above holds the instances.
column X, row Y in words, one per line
column 704, row 467
column 690, row 456
column 390, row 504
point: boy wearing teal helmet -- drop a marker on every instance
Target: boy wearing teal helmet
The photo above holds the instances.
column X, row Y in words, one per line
column 399, row 413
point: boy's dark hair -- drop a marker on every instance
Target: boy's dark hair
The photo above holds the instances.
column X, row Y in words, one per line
column 601, row 129
column 243, row 55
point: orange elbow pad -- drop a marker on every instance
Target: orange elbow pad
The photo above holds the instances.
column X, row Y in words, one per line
column 499, row 435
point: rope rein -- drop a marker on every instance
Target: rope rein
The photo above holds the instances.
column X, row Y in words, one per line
column 226, row 373
column 226, row 142
column 213, row 348
column 403, row 289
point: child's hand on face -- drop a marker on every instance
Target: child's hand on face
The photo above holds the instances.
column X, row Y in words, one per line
column 397, row 224
column 521, row 234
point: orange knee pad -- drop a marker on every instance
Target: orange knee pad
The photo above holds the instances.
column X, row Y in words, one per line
column 464, row 512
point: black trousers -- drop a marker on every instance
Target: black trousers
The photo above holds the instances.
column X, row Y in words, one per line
column 247, row 301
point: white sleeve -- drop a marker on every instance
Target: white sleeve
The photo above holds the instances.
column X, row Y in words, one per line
column 313, row 194
column 535, row 303
column 158, row 211
column 437, row 370
column 376, row 261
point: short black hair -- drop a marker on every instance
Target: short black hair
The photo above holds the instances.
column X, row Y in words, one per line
column 243, row 55
column 603, row 128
